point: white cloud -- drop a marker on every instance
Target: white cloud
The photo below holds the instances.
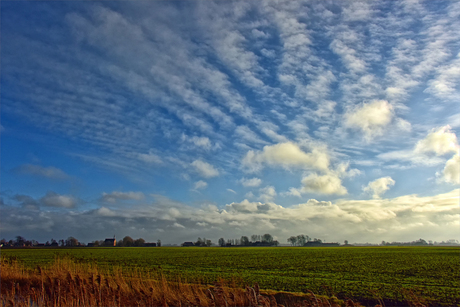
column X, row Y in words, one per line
column 407, row 155
column 379, row 186
column 103, row 211
column 205, row 169
column 232, row 191
column 323, row 184
column 245, row 206
column 293, row 192
column 287, row 155
column 349, row 56
column 268, row 53
column 328, row 183
column 198, row 142
column 177, row 225
column 267, row 194
column 357, row 11
column 440, row 141
column 403, row 125
column 247, row 134
column 150, row 158
column 371, row 118
column 253, row 182
column 249, row 195
column 342, row 170
column 320, row 87
column 451, row 172
column 116, row 195
column 200, row 185
column 52, row 199
column 273, row 135
column 37, row 170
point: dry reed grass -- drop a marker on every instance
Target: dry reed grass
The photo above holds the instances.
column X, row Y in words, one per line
column 66, row 283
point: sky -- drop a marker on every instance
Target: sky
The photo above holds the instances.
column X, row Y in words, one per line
column 175, row 120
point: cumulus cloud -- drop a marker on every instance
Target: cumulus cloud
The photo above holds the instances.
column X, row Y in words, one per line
column 253, row 182
column 439, row 141
column 199, row 185
column 267, row 194
column 342, row 170
column 371, row 118
column 205, row 169
column 37, row 170
column 116, row 195
column 245, row 206
column 429, row 151
column 286, row 155
column 323, row 184
column 379, row 186
column 451, row 172
column 328, row 183
column 292, row 192
column 52, row 199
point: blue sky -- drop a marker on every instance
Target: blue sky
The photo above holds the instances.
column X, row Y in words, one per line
column 174, row 120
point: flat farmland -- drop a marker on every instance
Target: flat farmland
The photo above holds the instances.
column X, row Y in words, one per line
column 363, row 273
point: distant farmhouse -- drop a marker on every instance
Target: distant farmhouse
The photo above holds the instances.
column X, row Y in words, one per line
column 110, row 242
column 188, row 244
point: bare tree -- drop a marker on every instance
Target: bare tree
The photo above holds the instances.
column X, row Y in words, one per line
column 267, row 238
column 128, row 241
column 301, row 240
column 71, row 242
column 244, row 241
column 139, row 242
column 292, row 240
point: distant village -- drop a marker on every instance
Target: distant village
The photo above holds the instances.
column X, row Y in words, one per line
column 244, row 241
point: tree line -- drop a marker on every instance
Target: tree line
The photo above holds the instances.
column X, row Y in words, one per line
column 256, row 240
column 127, row 241
column 301, row 240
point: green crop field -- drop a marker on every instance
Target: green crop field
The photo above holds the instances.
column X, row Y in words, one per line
column 433, row 273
